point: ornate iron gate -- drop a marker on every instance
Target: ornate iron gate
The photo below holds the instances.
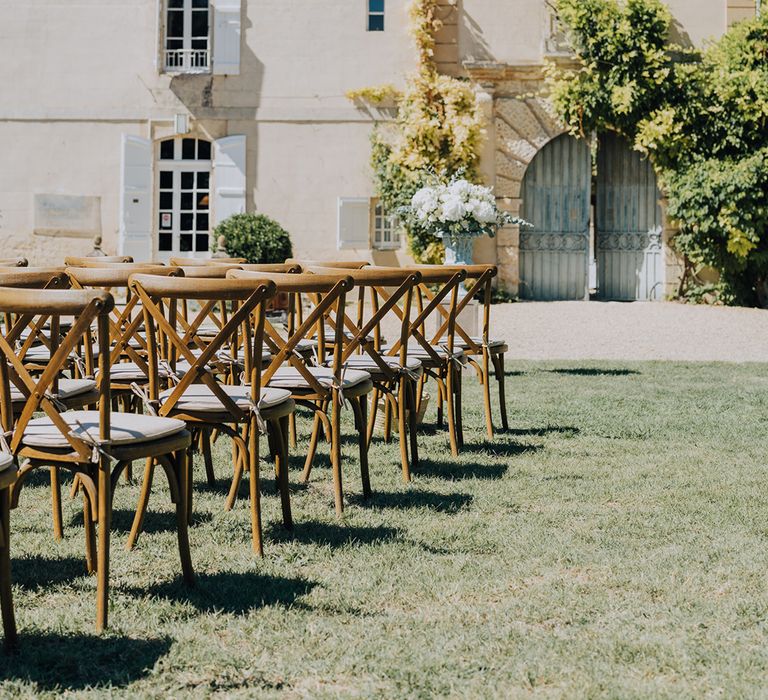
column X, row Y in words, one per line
column 554, row 254
column 627, row 224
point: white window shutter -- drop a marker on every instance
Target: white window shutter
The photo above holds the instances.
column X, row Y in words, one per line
column 228, row 177
column 135, row 235
column 354, row 223
column 226, row 37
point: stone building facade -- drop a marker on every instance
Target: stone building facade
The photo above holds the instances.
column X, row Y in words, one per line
column 148, row 122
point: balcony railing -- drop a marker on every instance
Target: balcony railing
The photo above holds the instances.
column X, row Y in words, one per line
column 187, row 60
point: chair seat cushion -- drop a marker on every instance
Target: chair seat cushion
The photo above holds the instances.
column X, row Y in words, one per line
column 366, row 362
column 127, row 372
column 68, row 389
column 417, row 351
column 493, row 345
column 290, row 378
column 126, row 428
column 6, row 461
column 198, row 397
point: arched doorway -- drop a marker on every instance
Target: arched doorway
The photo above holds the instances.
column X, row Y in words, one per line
column 554, row 254
column 627, row 224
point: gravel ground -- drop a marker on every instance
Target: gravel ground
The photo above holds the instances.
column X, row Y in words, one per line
column 574, row 330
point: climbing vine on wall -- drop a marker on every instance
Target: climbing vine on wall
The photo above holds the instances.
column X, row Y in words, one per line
column 701, row 116
column 438, row 130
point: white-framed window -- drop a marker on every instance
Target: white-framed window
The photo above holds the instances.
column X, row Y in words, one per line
column 187, row 36
column 555, row 40
column 385, row 228
column 375, row 18
column 183, row 197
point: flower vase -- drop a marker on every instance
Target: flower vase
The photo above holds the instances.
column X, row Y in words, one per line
column 458, row 251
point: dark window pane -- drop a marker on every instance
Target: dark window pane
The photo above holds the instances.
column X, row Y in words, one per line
column 375, row 5
column 166, row 200
column 187, row 181
column 166, row 241
column 202, row 201
column 185, row 243
column 187, row 222
column 166, row 220
column 203, row 151
column 201, row 242
column 172, row 45
column 188, row 149
column 200, row 23
column 186, row 201
column 201, row 44
column 200, row 3
column 166, row 150
column 202, row 222
column 175, row 23
column 175, row 3
column 376, row 23
column 166, row 179
column 203, row 178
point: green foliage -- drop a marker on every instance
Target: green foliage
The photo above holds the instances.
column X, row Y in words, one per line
column 255, row 237
column 700, row 116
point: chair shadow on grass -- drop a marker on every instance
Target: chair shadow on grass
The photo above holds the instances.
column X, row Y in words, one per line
column 332, row 535
column 593, row 372
column 496, row 448
column 415, row 498
column 72, row 662
column 164, row 521
column 456, row 471
column 564, row 430
column 231, row 592
column 37, row 572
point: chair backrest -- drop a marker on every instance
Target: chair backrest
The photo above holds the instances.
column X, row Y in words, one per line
column 160, row 298
column 29, row 306
column 328, row 293
column 480, row 283
column 197, row 262
column 271, row 267
column 14, row 262
column 388, row 291
column 77, row 261
column 341, row 264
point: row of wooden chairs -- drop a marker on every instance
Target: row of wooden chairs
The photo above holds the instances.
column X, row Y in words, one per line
column 105, row 362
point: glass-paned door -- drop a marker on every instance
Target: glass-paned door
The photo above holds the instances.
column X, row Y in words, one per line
column 183, row 198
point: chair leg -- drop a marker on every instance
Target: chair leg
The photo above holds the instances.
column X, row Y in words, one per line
column 449, row 391
column 90, row 534
column 183, row 472
column 486, row 380
column 387, row 419
column 141, row 507
column 402, row 407
column 6, row 597
column 412, row 400
column 360, row 409
column 58, row 528
column 104, row 524
column 457, row 397
column 440, row 392
column 205, row 439
column 312, row 450
column 292, row 431
column 338, row 488
column 253, row 487
column 236, row 478
column 281, row 426
column 372, row 417
column 501, row 380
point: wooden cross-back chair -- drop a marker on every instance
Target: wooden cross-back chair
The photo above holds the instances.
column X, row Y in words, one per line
column 481, row 351
column 97, row 445
column 197, row 262
column 395, row 376
column 440, row 360
column 317, row 386
column 199, row 397
column 7, row 479
column 80, row 261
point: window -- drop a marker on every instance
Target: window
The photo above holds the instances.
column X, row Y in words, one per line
column 385, row 227
column 187, row 29
column 375, row 15
column 183, row 196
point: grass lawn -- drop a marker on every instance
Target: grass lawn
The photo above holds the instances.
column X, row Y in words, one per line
column 612, row 544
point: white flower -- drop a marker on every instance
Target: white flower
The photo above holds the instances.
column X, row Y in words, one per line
column 453, row 209
column 460, row 188
column 485, row 213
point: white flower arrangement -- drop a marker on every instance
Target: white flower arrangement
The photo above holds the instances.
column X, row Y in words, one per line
column 456, row 209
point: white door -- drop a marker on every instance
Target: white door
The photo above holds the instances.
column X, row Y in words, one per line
column 183, row 198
